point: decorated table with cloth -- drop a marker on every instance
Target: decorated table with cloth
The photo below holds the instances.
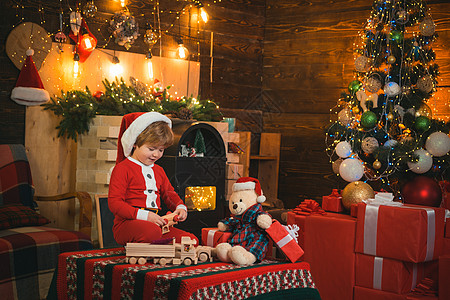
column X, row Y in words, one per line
column 103, row 273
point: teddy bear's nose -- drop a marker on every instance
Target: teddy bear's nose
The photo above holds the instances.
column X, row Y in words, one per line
column 235, row 206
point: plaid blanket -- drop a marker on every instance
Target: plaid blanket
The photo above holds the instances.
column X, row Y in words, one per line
column 103, row 274
column 28, row 258
column 16, row 186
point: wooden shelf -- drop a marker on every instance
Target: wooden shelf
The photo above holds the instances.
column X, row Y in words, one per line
column 263, row 157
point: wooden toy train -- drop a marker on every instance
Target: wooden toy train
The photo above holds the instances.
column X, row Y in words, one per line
column 172, row 253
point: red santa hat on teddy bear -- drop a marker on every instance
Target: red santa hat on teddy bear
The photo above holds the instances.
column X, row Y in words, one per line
column 250, row 183
column 131, row 127
column 29, row 89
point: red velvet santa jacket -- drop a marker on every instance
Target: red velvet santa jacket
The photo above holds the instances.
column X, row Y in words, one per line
column 134, row 185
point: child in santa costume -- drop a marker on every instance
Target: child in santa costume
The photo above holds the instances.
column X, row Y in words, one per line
column 138, row 185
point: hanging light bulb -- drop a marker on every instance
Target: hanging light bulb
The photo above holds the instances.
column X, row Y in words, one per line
column 182, row 51
column 204, row 14
column 116, row 69
column 149, row 65
column 76, row 59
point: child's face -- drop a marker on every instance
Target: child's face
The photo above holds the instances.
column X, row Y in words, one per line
column 148, row 154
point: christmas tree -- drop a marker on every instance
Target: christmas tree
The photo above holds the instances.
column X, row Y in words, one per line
column 384, row 130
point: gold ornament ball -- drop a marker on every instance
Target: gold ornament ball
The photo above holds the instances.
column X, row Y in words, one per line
column 390, row 116
column 355, row 110
column 391, row 59
column 355, row 192
column 376, row 165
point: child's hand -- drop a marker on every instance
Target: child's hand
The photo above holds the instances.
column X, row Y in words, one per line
column 154, row 218
column 182, row 214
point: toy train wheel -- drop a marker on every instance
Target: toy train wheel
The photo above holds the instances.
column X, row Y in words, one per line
column 163, row 261
column 132, row 260
column 187, row 261
column 142, row 260
column 202, row 257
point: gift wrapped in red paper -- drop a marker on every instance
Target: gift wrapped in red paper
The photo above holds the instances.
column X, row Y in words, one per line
column 446, row 246
column 387, row 274
column 212, row 237
column 329, row 240
column 404, row 232
column 362, row 293
column 445, row 186
column 285, row 241
column 333, row 202
column 447, row 227
column 444, row 275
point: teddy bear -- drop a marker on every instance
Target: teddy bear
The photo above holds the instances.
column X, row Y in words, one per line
column 248, row 242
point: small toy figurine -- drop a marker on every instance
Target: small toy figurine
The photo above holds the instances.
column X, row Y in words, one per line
column 249, row 241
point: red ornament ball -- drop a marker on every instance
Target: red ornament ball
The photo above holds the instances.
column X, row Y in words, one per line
column 98, row 94
column 422, row 190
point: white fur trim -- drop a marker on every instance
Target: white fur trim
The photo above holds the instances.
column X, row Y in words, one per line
column 182, row 206
column 29, row 52
column 29, row 95
column 261, row 199
column 142, row 214
column 130, row 135
column 241, row 186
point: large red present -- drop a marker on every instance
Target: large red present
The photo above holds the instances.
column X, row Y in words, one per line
column 445, row 186
column 446, row 246
column 299, row 220
column 447, row 228
column 212, row 237
column 329, row 240
column 444, row 276
column 388, row 275
column 362, row 293
column 333, row 202
column 405, row 232
column 285, row 241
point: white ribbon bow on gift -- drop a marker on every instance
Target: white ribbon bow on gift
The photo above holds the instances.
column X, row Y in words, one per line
column 383, row 199
column 293, row 231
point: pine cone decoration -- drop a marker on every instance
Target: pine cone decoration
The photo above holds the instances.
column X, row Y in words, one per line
column 184, row 114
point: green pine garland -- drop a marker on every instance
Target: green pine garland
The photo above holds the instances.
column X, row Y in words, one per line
column 79, row 108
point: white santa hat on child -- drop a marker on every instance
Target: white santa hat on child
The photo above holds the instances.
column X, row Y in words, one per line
column 29, row 89
column 132, row 126
column 250, row 183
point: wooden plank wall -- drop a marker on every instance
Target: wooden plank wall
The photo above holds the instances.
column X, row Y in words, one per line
column 308, row 62
column 237, row 26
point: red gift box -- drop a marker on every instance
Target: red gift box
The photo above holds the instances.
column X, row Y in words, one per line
column 447, row 228
column 333, row 202
column 329, row 240
column 446, row 247
column 388, row 275
column 354, row 210
column 445, row 186
column 362, row 293
column 299, row 220
column 285, row 241
column 409, row 233
column 212, row 237
column 444, row 276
